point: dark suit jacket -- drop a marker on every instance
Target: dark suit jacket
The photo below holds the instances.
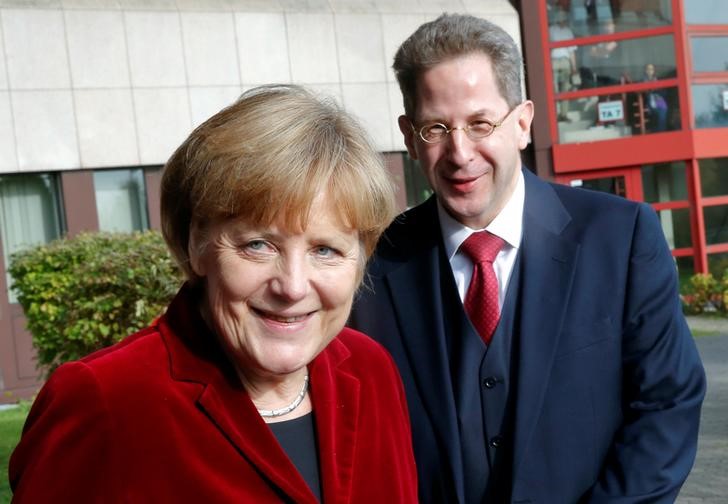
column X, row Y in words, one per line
column 162, row 417
column 609, row 382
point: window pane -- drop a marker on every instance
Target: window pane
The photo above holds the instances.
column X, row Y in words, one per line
column 706, row 12
column 685, row 269
column 713, row 176
column 710, row 54
column 717, row 264
column 664, row 182
column 585, row 18
column 676, row 226
column 121, row 200
column 617, row 116
column 716, row 224
column 619, row 62
column 709, row 103
column 30, row 213
column 418, row 189
column 611, row 185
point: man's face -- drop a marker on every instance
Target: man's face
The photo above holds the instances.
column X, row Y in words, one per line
column 473, row 179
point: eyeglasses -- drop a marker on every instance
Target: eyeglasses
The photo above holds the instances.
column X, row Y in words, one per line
column 475, row 130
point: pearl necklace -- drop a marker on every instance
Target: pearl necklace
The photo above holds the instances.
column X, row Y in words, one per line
column 287, row 409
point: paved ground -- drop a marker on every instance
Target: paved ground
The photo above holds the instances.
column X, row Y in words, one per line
column 708, row 482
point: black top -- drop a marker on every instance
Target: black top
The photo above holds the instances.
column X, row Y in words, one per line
column 297, row 437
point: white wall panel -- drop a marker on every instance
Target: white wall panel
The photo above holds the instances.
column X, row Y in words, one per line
column 8, row 157
column 97, row 48
column 45, row 130
column 155, row 49
column 370, row 103
column 360, row 47
column 106, row 128
column 312, row 48
column 262, row 48
column 396, row 28
column 210, row 49
column 163, row 122
column 35, row 48
column 207, row 101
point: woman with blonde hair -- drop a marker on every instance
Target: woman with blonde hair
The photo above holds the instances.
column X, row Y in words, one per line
column 249, row 388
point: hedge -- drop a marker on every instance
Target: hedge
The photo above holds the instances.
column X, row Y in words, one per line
column 83, row 293
column 706, row 294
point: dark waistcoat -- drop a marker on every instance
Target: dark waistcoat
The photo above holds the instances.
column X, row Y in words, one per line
column 483, row 381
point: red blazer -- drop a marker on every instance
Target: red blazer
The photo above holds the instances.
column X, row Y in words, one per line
column 162, row 417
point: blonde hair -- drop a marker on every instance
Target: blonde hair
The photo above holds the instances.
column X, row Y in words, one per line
column 266, row 158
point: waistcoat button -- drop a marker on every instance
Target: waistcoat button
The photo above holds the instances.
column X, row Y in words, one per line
column 490, row 382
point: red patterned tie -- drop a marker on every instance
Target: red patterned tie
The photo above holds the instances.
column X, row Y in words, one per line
column 481, row 301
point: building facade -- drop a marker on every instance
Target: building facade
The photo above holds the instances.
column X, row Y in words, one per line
column 96, row 94
column 636, row 103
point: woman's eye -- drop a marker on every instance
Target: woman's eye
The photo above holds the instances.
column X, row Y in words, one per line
column 324, row 251
column 257, row 246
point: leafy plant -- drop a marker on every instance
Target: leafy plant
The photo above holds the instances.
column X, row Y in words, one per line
column 704, row 294
column 84, row 293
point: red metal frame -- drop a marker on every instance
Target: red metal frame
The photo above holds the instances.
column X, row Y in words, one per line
column 625, row 156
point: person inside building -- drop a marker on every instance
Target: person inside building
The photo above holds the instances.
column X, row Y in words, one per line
column 248, row 388
column 537, row 327
column 563, row 61
column 654, row 103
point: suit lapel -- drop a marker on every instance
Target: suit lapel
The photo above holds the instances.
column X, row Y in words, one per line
column 416, row 294
column 548, row 264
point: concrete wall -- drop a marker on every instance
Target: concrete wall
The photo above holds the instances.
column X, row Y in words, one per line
column 102, row 83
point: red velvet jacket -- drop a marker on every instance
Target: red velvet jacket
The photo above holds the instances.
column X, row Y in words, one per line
column 162, row 417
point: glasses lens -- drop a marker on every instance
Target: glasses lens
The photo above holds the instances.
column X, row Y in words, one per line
column 433, row 132
column 480, row 129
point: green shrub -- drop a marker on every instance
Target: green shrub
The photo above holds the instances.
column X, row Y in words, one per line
column 84, row 293
column 705, row 294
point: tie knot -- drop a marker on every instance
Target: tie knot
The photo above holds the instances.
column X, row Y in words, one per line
column 482, row 246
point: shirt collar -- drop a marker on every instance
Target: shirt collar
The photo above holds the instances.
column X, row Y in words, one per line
column 508, row 224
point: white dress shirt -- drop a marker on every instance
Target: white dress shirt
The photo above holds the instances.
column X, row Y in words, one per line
column 508, row 225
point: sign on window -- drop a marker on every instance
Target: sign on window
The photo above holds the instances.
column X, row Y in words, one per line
column 611, row 111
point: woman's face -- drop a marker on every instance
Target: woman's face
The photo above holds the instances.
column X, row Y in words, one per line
column 276, row 298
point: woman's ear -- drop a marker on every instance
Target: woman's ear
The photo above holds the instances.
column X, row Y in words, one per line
column 196, row 250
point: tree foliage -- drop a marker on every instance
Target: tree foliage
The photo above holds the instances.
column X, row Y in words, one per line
column 83, row 293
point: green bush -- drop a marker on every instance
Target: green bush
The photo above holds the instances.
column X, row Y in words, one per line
column 705, row 294
column 84, row 293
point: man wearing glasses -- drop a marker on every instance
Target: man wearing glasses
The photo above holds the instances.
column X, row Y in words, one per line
column 537, row 327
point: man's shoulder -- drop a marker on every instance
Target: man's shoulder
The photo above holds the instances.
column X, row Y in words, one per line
column 412, row 228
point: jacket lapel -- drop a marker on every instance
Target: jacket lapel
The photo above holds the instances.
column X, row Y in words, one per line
column 336, row 407
column 196, row 357
column 548, row 264
column 416, row 294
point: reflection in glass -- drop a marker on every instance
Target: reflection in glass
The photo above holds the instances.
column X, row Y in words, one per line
column 121, row 200
column 716, row 224
column 676, row 226
column 611, row 185
column 617, row 116
column 713, row 177
column 685, row 269
column 718, row 264
column 664, row 182
column 612, row 63
column 706, row 12
column 710, row 54
column 587, row 16
column 30, row 213
column 710, row 103
column 418, row 189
